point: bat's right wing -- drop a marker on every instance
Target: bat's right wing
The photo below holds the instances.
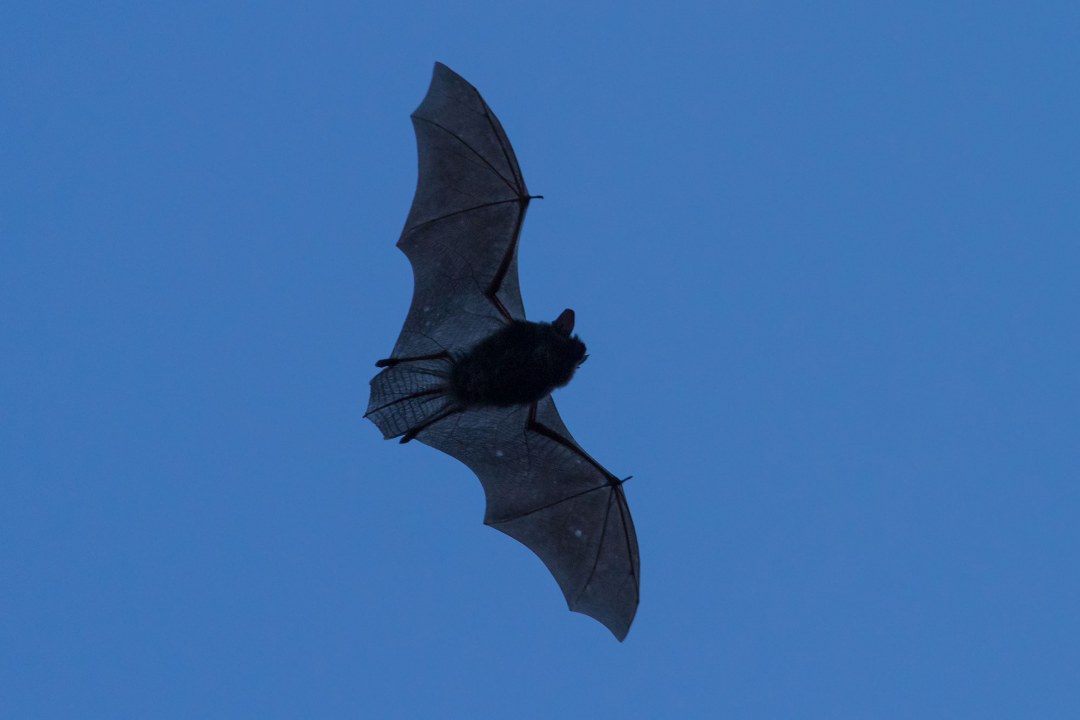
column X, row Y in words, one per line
column 462, row 230
column 461, row 238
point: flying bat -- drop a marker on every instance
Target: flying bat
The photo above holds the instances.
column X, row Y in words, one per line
column 470, row 376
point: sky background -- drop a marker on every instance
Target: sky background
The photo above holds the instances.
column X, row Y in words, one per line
column 825, row 259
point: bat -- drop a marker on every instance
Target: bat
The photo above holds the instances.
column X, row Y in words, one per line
column 470, row 376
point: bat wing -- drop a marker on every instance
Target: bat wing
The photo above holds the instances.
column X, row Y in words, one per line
column 461, row 238
column 552, row 497
column 462, row 231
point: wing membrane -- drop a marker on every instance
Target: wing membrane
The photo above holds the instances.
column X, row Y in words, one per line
column 567, row 510
column 461, row 239
column 462, row 230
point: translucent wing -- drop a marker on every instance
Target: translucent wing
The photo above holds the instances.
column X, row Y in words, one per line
column 461, row 238
column 462, row 231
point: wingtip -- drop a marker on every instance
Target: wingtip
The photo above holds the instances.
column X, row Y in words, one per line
column 443, row 73
column 620, row 633
column 442, row 69
column 618, row 630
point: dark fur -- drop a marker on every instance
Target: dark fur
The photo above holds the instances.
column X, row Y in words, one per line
column 518, row 365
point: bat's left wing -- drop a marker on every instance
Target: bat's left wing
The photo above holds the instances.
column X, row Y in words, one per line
column 543, row 490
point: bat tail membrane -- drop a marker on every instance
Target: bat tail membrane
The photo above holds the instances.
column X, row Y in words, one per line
column 407, row 397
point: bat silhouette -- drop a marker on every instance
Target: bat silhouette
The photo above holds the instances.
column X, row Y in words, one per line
column 472, row 377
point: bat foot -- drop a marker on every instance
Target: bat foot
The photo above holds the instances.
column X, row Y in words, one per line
column 413, row 432
column 391, row 362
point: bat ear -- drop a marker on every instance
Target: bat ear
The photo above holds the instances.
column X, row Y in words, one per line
column 565, row 322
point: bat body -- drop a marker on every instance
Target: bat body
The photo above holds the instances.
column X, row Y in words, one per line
column 470, row 376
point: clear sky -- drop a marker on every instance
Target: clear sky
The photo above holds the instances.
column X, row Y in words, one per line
column 825, row 258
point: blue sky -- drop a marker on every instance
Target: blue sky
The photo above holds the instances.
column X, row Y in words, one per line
column 825, row 260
